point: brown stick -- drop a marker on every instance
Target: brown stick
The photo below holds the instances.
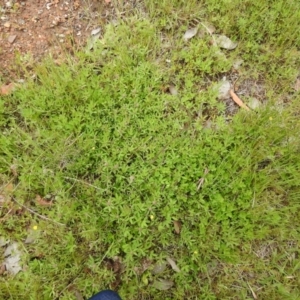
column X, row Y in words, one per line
column 237, row 100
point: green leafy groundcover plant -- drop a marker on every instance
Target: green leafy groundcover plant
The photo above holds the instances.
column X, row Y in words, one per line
column 122, row 160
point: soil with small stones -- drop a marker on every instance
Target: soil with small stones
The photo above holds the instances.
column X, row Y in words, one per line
column 31, row 30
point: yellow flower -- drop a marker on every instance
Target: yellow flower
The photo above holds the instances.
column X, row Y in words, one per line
column 270, row 118
column 195, row 252
column 151, row 217
column 34, row 227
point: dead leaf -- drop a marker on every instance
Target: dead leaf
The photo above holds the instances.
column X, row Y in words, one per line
column 9, row 188
column 225, row 42
column 190, row 33
column 7, row 89
column 146, row 263
column 159, row 268
column 107, row 1
column 12, row 264
column 177, row 226
column 297, row 85
column 2, row 269
column 173, row 264
column 12, row 259
column 117, row 264
column 7, row 191
column 14, row 170
column 173, row 90
column 96, row 31
column 42, row 201
column 163, row 284
column 76, row 4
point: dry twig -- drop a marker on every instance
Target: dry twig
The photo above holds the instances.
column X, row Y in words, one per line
column 37, row 214
column 83, row 182
column 237, row 100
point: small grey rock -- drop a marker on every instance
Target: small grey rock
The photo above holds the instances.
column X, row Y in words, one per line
column 11, row 38
column 224, row 89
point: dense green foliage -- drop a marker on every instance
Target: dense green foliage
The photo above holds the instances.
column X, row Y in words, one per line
column 122, row 159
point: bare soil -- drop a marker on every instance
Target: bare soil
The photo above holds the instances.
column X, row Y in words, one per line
column 34, row 28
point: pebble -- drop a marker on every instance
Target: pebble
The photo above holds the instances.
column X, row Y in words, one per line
column 11, row 38
column 8, row 4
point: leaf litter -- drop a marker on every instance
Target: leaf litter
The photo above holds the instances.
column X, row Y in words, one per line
column 297, row 85
column 225, row 42
column 173, row 264
column 177, row 226
column 42, row 201
column 163, row 284
column 159, row 268
column 12, row 259
column 190, row 33
column 172, row 89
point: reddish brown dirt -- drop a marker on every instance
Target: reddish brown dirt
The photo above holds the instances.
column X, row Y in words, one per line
column 34, row 28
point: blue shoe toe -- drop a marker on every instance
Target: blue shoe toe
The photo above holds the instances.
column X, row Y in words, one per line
column 106, row 295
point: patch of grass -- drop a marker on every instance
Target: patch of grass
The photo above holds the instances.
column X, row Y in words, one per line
column 121, row 160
